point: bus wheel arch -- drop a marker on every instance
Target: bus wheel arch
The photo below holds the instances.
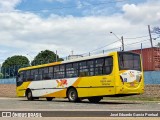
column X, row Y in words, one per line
column 72, row 94
column 28, row 94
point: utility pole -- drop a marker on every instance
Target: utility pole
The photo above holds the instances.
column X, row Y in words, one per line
column 149, row 30
column 121, row 40
column 122, row 43
column 56, row 56
column 152, row 58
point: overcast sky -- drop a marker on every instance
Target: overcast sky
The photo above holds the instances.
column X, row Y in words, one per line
column 30, row 26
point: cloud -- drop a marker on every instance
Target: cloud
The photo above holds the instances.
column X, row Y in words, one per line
column 62, row 1
column 148, row 13
column 8, row 5
column 25, row 32
column 29, row 32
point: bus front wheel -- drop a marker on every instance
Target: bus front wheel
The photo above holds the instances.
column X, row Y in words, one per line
column 94, row 99
column 72, row 95
column 29, row 95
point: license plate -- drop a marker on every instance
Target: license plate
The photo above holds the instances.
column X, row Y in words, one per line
column 131, row 84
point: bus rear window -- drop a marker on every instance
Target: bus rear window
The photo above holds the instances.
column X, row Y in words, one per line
column 129, row 61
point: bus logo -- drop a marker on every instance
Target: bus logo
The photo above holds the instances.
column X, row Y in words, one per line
column 6, row 114
column 131, row 74
column 61, row 83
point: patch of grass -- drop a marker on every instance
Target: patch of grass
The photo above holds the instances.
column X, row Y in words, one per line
column 133, row 98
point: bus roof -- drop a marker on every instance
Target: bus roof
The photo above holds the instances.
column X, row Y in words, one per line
column 67, row 61
column 39, row 66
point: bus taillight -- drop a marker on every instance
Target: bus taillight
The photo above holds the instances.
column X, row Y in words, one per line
column 140, row 79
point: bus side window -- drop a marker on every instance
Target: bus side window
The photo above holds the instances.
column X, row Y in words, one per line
column 107, row 69
column 35, row 74
column 56, row 72
column 90, row 64
column 32, row 75
column 75, row 70
column 51, row 72
column 28, row 75
column 61, row 71
column 46, row 73
column 99, row 63
column 39, row 75
column 24, row 76
column 83, row 69
column 69, row 71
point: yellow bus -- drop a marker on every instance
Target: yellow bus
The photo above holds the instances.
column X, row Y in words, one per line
column 92, row 78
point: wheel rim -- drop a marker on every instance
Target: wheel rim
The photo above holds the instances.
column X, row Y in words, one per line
column 72, row 95
column 29, row 95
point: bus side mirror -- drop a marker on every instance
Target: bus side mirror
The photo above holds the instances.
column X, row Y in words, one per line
column 18, row 75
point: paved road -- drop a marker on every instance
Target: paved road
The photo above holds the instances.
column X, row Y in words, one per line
column 63, row 104
column 21, row 104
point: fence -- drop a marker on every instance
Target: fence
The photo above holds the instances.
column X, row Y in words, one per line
column 9, row 72
column 150, row 77
column 8, row 81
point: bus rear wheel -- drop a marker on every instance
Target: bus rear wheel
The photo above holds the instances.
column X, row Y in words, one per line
column 72, row 95
column 29, row 95
column 94, row 99
column 49, row 98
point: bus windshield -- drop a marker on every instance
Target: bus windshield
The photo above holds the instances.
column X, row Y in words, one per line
column 129, row 61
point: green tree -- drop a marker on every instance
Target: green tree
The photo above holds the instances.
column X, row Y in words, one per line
column 45, row 56
column 1, row 75
column 11, row 65
column 158, row 45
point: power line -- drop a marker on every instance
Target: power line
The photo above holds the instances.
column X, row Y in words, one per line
column 99, row 48
column 104, row 51
column 136, row 42
column 127, row 45
column 114, row 48
column 137, row 37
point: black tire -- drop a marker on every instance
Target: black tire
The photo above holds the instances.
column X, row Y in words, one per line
column 79, row 100
column 29, row 95
column 36, row 98
column 72, row 95
column 49, row 98
column 94, row 99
